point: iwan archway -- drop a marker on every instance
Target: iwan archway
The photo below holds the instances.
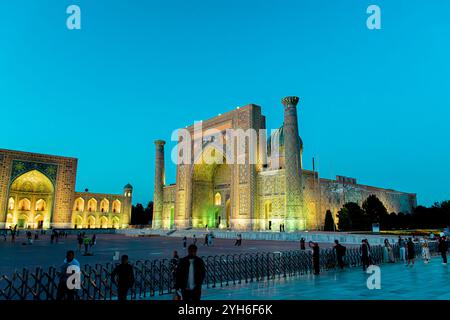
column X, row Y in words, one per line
column 211, row 180
column 31, row 197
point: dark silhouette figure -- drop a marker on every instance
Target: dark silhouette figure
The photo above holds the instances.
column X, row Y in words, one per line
column 365, row 254
column 190, row 275
column 184, row 242
column 340, row 253
column 123, row 277
column 443, row 247
column 315, row 256
column 302, row 244
column 411, row 251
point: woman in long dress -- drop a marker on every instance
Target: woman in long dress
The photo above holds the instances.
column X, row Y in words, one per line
column 411, row 251
column 425, row 251
column 388, row 252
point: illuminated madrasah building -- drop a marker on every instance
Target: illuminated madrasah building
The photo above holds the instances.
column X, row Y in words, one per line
column 273, row 190
column 37, row 191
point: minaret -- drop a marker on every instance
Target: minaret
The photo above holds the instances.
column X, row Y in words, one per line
column 128, row 194
column 295, row 219
column 159, row 185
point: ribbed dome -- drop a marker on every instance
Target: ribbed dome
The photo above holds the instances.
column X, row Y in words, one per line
column 278, row 134
column 128, row 186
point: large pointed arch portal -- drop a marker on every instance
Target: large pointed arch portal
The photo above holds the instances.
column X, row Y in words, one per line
column 32, row 194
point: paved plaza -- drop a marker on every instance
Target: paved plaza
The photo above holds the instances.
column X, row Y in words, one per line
column 15, row 256
column 398, row 282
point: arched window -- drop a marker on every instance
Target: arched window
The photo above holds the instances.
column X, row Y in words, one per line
column 116, row 223
column 40, row 205
column 218, row 199
column 104, row 205
column 79, row 205
column 25, row 205
column 116, row 206
column 92, row 205
column 103, row 222
column 91, row 222
column 11, row 203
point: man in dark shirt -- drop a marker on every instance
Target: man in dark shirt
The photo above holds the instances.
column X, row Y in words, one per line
column 443, row 247
column 340, row 253
column 365, row 253
column 123, row 277
column 190, row 275
column 315, row 257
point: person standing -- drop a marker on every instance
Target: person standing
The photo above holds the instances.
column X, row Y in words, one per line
column 340, row 253
column 63, row 291
column 86, row 242
column 411, row 251
column 365, row 254
column 443, row 247
column 206, row 243
column 80, row 242
column 123, row 277
column 389, row 252
column 425, row 251
column 401, row 246
column 92, row 243
column 190, row 275
column 315, row 257
column 194, row 239
column 302, row 244
column 184, row 242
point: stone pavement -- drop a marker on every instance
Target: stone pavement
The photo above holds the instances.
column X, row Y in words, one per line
column 17, row 256
column 398, row 282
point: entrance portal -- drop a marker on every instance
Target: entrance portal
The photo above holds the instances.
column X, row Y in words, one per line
column 30, row 202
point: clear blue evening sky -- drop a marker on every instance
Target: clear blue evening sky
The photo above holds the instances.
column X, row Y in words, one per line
column 375, row 104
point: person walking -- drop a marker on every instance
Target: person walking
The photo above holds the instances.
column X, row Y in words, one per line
column 340, row 253
column 238, row 240
column 411, row 251
column 190, row 275
column 206, row 243
column 86, row 242
column 302, row 244
column 123, row 277
column 63, row 291
column 315, row 257
column 365, row 254
column 443, row 247
column 184, row 242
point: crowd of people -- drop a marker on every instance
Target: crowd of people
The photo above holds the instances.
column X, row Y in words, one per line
column 188, row 273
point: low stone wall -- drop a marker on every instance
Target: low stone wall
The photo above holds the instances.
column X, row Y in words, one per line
column 322, row 237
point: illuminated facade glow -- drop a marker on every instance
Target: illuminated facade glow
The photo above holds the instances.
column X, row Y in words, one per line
column 37, row 191
column 274, row 191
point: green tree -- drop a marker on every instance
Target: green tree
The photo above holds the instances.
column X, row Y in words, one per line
column 344, row 223
column 375, row 210
column 329, row 222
